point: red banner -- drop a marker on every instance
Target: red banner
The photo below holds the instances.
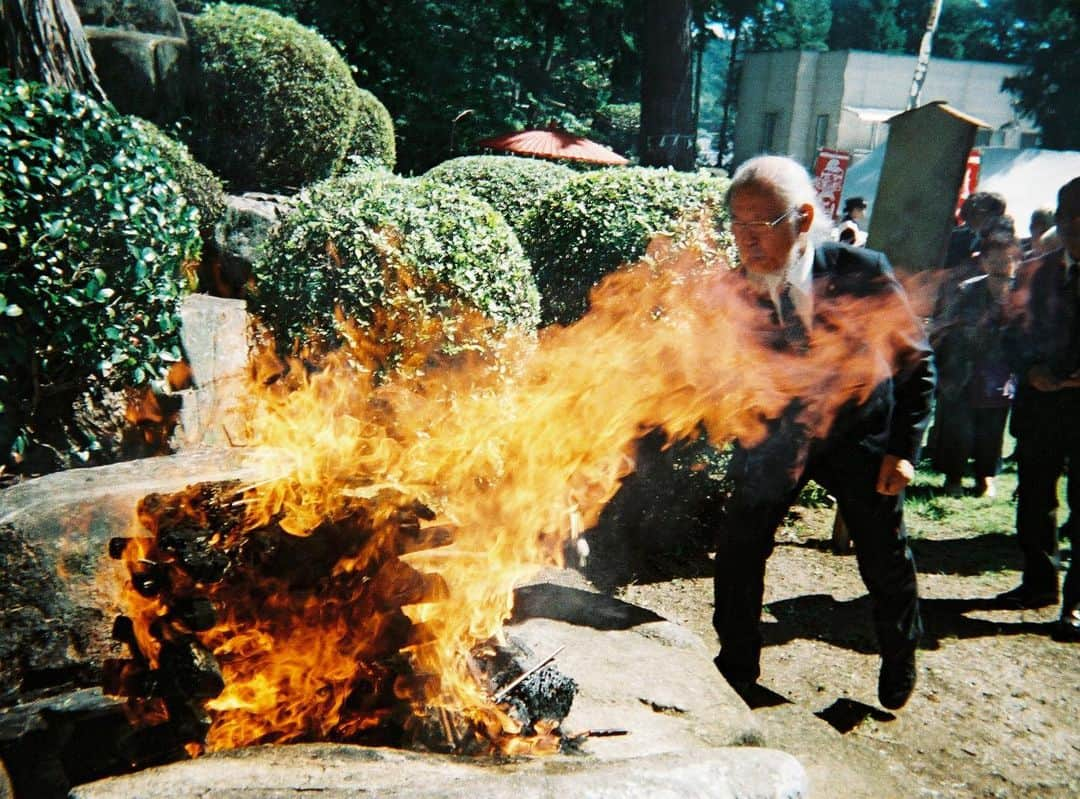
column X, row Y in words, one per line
column 830, row 169
column 971, row 180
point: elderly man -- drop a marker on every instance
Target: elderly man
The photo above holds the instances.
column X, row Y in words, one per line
column 865, row 454
column 1045, row 345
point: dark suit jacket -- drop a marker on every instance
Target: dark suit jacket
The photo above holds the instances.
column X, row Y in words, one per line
column 893, row 417
column 1045, row 329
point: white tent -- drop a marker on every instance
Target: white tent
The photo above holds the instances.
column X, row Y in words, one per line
column 1028, row 179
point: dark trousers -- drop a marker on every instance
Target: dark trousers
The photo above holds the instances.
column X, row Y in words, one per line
column 1041, row 458
column 965, row 432
column 764, row 490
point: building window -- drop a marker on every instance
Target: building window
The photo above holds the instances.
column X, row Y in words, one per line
column 1028, row 139
column 821, row 132
column 983, row 137
column 768, row 133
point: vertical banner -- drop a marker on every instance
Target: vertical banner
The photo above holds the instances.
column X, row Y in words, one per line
column 971, row 180
column 830, row 169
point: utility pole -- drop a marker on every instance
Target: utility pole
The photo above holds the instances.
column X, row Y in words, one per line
column 923, row 63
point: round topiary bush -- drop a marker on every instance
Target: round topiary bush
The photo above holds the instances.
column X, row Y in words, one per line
column 600, row 220
column 372, row 143
column 353, row 241
column 512, row 185
column 94, row 237
column 200, row 187
column 277, row 105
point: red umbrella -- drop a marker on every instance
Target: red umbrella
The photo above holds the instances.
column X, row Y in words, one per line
column 556, row 145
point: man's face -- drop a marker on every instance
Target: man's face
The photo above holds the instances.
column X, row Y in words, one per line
column 764, row 249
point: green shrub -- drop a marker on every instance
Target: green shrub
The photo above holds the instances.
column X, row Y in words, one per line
column 333, row 247
column 372, row 143
column 600, row 220
column 512, row 185
column 618, row 125
column 94, row 233
column 277, row 105
column 200, row 187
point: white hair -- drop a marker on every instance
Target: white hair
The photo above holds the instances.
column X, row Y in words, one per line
column 788, row 180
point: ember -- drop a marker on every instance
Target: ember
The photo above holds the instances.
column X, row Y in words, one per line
column 333, row 602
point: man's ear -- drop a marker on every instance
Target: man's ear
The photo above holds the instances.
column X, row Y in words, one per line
column 806, row 217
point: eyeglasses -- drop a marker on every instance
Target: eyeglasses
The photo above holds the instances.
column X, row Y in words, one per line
column 761, row 226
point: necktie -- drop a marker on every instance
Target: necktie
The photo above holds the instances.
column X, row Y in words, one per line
column 791, row 323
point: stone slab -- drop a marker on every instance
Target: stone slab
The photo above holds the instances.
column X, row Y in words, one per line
column 334, row 771
column 56, row 530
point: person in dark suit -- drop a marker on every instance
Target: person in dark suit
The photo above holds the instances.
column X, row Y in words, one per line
column 975, row 383
column 863, row 455
column 1044, row 344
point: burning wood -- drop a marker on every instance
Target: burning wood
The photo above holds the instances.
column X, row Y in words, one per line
column 241, row 636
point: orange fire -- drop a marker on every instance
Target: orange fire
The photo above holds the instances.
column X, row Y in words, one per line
column 515, row 454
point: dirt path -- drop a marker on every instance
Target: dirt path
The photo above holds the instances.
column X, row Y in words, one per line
column 995, row 713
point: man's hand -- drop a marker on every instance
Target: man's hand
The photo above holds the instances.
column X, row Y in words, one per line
column 1042, row 379
column 894, row 475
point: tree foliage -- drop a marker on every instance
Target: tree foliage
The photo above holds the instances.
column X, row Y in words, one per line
column 1047, row 87
column 515, row 64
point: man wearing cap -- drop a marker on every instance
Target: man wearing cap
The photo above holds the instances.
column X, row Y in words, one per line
column 863, row 455
column 848, row 230
column 1044, row 340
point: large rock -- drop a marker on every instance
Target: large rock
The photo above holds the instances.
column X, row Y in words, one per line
column 57, row 597
column 148, row 16
column 684, row 732
column 338, row 772
column 242, row 232
column 143, row 74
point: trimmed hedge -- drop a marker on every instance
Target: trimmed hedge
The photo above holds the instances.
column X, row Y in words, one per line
column 600, row 220
column 199, row 185
column 277, row 105
column 512, row 185
column 347, row 236
column 94, row 236
column 372, row 144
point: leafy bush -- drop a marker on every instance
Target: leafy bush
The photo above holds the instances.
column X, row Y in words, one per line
column 200, row 187
column 94, row 235
column 618, row 125
column 512, row 185
column 599, row 220
column 344, row 241
column 372, row 143
column 277, row 105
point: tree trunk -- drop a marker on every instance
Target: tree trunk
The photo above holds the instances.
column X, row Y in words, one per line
column 44, row 41
column 667, row 132
column 731, row 91
column 923, row 62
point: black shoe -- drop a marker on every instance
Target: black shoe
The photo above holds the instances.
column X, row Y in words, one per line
column 896, row 680
column 1067, row 628
column 1026, row 597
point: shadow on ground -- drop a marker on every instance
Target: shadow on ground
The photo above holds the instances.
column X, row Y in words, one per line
column 847, row 624
column 966, row 557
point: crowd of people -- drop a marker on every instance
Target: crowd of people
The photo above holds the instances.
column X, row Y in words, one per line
column 1003, row 343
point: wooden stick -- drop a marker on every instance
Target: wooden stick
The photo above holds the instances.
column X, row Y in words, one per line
column 498, row 697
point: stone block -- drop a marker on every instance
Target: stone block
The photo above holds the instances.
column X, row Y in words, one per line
column 216, row 338
column 142, row 74
column 242, row 232
column 145, row 16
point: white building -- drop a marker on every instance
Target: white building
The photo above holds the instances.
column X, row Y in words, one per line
column 796, row 102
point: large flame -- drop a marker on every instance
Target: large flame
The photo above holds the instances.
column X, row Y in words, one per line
column 514, row 454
